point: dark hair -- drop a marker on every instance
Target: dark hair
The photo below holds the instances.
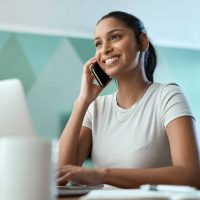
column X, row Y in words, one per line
column 132, row 22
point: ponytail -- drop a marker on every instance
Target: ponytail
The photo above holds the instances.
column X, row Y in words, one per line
column 150, row 62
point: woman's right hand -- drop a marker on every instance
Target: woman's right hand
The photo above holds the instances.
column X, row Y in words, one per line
column 88, row 91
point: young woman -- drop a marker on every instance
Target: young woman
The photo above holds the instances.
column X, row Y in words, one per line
column 144, row 132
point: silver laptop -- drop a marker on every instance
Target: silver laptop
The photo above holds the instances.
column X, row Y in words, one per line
column 15, row 120
column 14, row 114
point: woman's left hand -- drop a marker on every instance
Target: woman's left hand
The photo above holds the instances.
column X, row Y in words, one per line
column 79, row 175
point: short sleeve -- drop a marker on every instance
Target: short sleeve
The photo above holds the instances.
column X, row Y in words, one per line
column 87, row 121
column 173, row 103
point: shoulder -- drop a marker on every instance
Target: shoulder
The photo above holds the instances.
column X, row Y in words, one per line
column 171, row 91
column 173, row 102
column 170, row 87
column 167, row 94
column 165, row 89
column 160, row 87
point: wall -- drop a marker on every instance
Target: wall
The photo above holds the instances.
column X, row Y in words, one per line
column 50, row 69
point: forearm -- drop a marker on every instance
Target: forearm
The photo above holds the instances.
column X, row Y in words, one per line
column 68, row 144
column 133, row 178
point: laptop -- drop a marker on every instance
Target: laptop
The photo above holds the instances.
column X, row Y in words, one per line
column 72, row 189
column 15, row 120
column 14, row 114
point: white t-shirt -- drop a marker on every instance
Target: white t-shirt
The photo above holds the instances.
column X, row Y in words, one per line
column 135, row 137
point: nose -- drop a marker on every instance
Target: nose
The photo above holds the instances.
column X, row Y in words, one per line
column 106, row 48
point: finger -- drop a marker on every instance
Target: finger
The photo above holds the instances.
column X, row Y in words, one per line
column 66, row 167
column 88, row 64
column 90, row 61
column 98, row 88
column 60, row 173
column 63, row 180
column 63, row 170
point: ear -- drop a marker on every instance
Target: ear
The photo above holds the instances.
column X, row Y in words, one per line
column 144, row 42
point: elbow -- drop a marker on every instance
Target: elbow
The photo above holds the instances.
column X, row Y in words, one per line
column 192, row 177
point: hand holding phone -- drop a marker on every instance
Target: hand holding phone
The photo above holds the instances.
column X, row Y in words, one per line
column 102, row 78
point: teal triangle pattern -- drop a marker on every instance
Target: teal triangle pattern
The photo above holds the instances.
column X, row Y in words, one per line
column 14, row 64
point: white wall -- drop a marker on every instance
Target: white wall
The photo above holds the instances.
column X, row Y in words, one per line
column 173, row 23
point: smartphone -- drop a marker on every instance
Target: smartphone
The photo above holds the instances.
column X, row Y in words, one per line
column 102, row 78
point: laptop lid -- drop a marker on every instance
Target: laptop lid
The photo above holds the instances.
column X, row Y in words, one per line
column 14, row 114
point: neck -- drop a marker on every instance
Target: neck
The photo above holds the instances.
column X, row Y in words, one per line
column 131, row 89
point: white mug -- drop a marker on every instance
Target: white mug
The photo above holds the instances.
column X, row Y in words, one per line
column 27, row 171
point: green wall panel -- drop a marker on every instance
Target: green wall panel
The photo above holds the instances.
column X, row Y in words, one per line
column 83, row 47
column 13, row 63
column 38, row 49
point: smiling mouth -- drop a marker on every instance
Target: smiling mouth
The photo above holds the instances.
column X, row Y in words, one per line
column 111, row 60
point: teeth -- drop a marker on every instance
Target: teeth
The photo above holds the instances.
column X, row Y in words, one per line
column 111, row 60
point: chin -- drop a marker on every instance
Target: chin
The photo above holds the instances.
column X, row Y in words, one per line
column 113, row 72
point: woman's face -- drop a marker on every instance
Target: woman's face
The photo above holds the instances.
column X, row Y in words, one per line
column 117, row 50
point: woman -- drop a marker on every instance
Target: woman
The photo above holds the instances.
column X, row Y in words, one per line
column 144, row 132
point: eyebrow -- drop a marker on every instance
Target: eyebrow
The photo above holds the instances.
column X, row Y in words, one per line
column 109, row 33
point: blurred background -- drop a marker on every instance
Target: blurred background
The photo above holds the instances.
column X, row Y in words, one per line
column 45, row 43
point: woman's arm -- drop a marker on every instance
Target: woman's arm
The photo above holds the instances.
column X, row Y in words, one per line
column 69, row 140
column 185, row 169
column 133, row 178
column 75, row 141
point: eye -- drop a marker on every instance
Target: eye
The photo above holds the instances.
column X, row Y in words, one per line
column 97, row 44
column 115, row 37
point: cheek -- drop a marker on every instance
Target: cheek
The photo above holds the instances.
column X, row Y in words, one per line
column 132, row 50
column 97, row 55
column 131, row 54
